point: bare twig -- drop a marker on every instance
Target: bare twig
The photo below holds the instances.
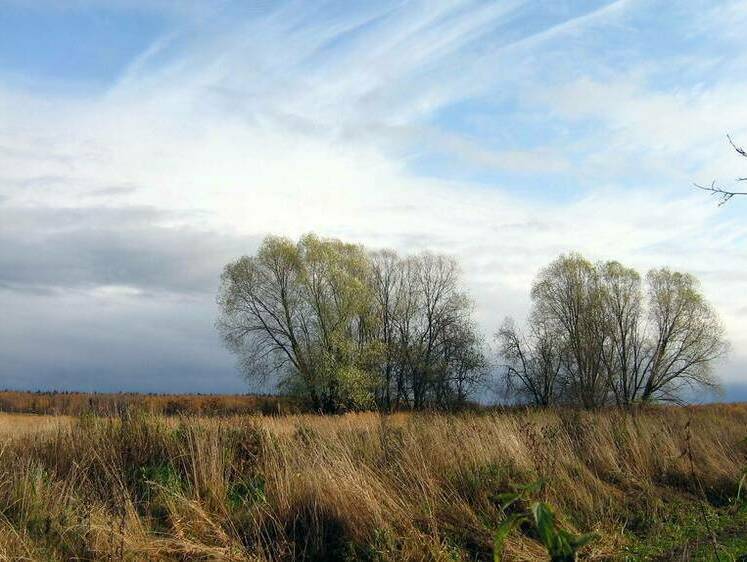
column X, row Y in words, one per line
column 741, row 151
column 724, row 195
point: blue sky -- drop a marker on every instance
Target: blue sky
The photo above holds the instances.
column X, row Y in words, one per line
column 144, row 144
column 84, row 46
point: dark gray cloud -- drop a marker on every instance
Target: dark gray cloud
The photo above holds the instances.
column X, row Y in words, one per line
column 59, row 330
column 52, row 248
column 76, row 341
column 735, row 392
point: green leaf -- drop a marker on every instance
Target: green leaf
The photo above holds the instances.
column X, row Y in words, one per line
column 741, row 485
column 560, row 544
column 501, row 534
column 582, row 540
column 507, row 498
column 533, row 487
column 545, row 522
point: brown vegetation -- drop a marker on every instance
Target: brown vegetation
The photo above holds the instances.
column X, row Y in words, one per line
column 358, row 486
column 111, row 404
column 22, row 424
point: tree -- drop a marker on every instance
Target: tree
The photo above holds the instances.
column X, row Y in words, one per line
column 595, row 337
column 465, row 365
column 725, row 195
column 686, row 336
column 387, row 282
column 345, row 328
column 442, row 310
column 262, row 310
column 304, row 312
column 532, row 364
column 624, row 346
column 568, row 299
column 433, row 353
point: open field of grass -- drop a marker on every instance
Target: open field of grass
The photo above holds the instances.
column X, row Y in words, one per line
column 658, row 485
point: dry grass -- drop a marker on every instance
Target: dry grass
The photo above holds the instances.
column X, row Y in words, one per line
column 108, row 404
column 360, row 486
column 23, row 424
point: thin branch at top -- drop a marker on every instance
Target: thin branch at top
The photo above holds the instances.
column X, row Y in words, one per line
column 724, row 195
column 741, row 151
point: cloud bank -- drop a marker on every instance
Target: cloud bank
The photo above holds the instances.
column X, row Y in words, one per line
column 501, row 133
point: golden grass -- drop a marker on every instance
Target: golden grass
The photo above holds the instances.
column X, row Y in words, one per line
column 23, row 424
column 359, row 486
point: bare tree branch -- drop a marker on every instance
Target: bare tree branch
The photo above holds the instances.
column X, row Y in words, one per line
column 724, row 195
column 741, row 151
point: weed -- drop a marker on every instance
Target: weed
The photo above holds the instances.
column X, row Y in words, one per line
column 561, row 545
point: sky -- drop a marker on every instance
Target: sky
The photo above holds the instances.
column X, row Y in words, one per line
column 145, row 144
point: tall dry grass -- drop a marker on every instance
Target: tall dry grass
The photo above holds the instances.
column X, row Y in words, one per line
column 359, row 486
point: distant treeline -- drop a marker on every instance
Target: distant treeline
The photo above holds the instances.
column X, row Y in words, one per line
column 113, row 404
column 345, row 328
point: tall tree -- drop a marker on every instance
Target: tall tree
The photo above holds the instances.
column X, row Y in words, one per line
column 390, row 296
column 440, row 329
column 595, row 337
column 532, row 363
column 568, row 298
column 346, row 328
column 304, row 312
column 625, row 346
column 686, row 336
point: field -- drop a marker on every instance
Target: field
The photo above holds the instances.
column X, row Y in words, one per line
column 661, row 484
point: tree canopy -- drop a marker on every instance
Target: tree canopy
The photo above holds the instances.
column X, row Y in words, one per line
column 595, row 336
column 346, row 328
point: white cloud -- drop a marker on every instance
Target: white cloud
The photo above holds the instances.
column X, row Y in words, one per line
column 668, row 123
column 268, row 129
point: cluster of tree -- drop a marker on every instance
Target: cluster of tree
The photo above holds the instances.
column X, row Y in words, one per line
column 596, row 336
column 346, row 328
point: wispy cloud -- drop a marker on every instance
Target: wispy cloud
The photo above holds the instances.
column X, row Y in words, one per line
column 503, row 133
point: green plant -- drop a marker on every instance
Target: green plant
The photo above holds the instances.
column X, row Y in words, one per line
column 246, row 492
column 741, row 486
column 561, row 545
